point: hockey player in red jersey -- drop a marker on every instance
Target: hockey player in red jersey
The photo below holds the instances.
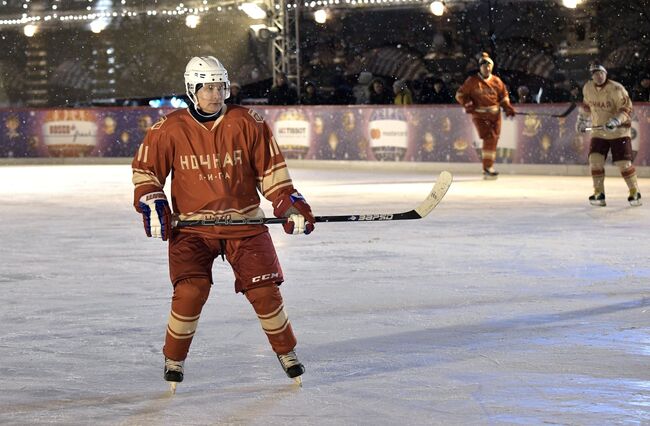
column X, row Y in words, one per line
column 607, row 108
column 483, row 95
column 220, row 157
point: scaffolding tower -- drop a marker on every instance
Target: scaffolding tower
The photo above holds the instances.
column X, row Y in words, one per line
column 285, row 47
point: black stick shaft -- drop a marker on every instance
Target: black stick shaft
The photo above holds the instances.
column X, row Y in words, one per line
column 564, row 114
column 424, row 208
column 279, row 220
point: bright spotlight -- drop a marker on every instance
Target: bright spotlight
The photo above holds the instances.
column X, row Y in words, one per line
column 30, row 30
column 571, row 4
column 437, row 8
column 192, row 21
column 264, row 33
column 98, row 25
column 320, row 16
column 253, row 11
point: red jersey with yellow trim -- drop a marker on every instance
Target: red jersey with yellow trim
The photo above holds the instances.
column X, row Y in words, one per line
column 217, row 168
column 487, row 94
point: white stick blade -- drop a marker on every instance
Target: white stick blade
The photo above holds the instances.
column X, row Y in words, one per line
column 437, row 193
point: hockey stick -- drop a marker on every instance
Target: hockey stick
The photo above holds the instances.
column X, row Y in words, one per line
column 591, row 129
column 435, row 196
column 564, row 114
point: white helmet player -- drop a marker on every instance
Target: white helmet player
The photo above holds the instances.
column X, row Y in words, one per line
column 597, row 67
column 201, row 70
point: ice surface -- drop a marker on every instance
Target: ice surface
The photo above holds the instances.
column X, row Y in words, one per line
column 514, row 302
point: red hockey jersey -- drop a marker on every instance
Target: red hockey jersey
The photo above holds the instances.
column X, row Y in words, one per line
column 487, row 94
column 217, row 168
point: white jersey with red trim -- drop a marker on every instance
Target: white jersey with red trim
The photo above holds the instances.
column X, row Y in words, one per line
column 605, row 102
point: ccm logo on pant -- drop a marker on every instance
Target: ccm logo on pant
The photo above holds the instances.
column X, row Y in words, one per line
column 265, row 277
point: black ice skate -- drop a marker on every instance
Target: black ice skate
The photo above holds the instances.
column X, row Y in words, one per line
column 292, row 366
column 490, row 174
column 634, row 198
column 173, row 373
column 598, row 199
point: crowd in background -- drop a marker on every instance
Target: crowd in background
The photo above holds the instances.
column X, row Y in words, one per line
column 365, row 88
column 340, row 67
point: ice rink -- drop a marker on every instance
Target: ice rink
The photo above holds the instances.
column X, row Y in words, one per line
column 513, row 302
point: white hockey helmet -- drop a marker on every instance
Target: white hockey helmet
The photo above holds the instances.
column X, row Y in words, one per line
column 597, row 67
column 201, row 70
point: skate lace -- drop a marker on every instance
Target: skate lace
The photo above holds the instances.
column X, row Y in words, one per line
column 289, row 359
column 172, row 365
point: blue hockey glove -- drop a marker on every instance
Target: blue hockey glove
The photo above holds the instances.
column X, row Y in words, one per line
column 156, row 215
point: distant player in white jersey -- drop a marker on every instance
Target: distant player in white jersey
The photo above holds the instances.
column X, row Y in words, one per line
column 607, row 112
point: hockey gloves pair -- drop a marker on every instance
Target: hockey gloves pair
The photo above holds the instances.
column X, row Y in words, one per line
column 156, row 215
column 583, row 123
column 300, row 219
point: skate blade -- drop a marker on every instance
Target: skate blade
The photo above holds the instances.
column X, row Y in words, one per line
column 172, row 387
column 636, row 203
column 488, row 177
column 598, row 203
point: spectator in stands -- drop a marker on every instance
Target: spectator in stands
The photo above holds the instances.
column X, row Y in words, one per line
column 310, row 95
column 360, row 90
column 236, row 95
column 435, row 91
column 641, row 90
column 416, row 89
column 523, row 95
column 379, row 94
column 403, row 95
column 283, row 93
column 575, row 92
column 342, row 94
column 557, row 92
